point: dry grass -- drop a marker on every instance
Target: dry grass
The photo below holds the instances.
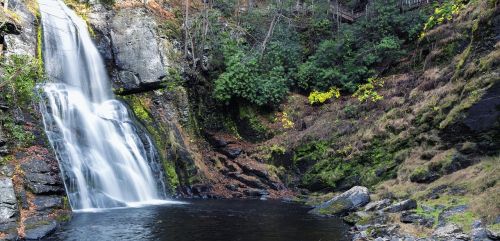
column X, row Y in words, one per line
column 128, row 4
column 481, row 182
column 412, row 229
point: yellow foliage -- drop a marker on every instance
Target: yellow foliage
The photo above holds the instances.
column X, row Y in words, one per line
column 367, row 91
column 320, row 97
column 285, row 120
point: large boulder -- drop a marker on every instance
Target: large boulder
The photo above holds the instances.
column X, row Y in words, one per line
column 401, row 206
column 350, row 200
column 479, row 232
column 139, row 61
column 8, row 203
column 43, row 203
column 449, row 232
column 38, row 228
column 377, row 205
column 412, row 217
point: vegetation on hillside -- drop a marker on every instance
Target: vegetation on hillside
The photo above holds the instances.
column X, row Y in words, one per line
column 17, row 88
column 261, row 54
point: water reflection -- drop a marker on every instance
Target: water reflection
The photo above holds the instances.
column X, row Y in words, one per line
column 211, row 220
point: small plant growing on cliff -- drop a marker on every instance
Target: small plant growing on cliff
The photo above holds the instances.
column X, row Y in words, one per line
column 317, row 97
column 18, row 134
column 367, row 91
column 285, row 120
column 19, row 75
column 277, row 149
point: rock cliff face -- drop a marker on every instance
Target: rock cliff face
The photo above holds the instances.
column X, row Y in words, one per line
column 141, row 61
column 23, row 40
column 32, row 195
column 135, row 54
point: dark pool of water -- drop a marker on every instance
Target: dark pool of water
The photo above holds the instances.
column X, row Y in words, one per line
column 210, row 220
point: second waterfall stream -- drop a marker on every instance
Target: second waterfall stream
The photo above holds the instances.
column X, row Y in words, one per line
column 105, row 160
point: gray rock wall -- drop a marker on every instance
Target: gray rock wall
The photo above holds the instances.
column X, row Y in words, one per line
column 30, row 184
column 129, row 42
column 23, row 43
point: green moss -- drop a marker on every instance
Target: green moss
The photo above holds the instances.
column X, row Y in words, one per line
column 330, row 168
column 336, row 207
column 434, row 213
column 445, row 202
column 419, row 173
column 63, row 218
column 19, row 135
column 173, row 179
column 20, row 72
column 464, row 220
column 314, row 151
column 494, row 227
column 250, row 126
column 448, row 201
column 39, row 48
column 140, row 108
column 173, row 79
column 82, row 9
column 458, row 110
column 230, row 126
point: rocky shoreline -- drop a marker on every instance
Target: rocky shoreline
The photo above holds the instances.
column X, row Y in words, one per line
column 387, row 219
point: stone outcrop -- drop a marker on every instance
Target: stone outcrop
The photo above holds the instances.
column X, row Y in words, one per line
column 350, row 200
column 377, row 205
column 42, row 176
column 31, row 189
column 449, row 232
column 8, row 203
column 137, row 52
column 401, row 206
column 128, row 40
column 21, row 42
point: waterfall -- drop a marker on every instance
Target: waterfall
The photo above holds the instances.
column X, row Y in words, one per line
column 105, row 160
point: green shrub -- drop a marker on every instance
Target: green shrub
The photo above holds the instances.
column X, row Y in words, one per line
column 419, row 173
column 18, row 134
column 367, row 91
column 244, row 79
column 20, row 73
column 442, row 13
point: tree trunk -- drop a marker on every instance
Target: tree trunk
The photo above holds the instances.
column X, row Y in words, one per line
column 269, row 34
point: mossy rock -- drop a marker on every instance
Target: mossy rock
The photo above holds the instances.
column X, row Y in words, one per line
column 250, row 125
column 337, row 207
column 423, row 175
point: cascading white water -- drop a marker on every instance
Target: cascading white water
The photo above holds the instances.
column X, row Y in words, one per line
column 103, row 157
